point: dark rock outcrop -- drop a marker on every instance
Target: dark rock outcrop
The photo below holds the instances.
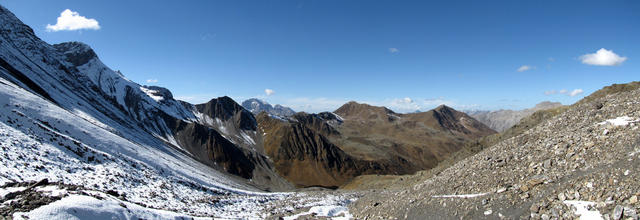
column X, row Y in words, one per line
column 225, row 108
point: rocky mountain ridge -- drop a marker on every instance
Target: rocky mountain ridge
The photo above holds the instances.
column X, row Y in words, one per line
column 330, row 148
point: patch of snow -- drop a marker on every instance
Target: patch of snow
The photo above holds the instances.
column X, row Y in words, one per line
column 152, row 93
column 461, row 195
column 5, row 191
column 332, row 211
column 52, row 190
column 247, row 138
column 337, row 116
column 620, row 121
column 583, row 211
column 87, row 207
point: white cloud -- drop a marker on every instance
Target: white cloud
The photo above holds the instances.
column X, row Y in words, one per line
column 394, row 50
column 152, row 80
column 572, row 93
column 269, row 92
column 71, row 21
column 602, row 57
column 576, row 92
column 404, row 105
column 525, row 68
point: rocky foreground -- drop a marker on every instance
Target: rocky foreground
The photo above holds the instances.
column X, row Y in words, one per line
column 582, row 163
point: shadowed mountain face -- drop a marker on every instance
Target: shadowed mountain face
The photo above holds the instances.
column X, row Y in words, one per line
column 225, row 109
column 303, row 153
column 361, row 139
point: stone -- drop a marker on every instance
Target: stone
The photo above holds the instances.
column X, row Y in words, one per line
column 547, row 164
column 561, row 197
column 617, row 212
column 545, row 217
column 630, row 212
column 633, row 199
column 534, row 208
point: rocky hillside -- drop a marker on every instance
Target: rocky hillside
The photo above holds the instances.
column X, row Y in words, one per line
column 423, row 139
column 581, row 162
column 329, row 149
column 256, row 106
column 502, row 120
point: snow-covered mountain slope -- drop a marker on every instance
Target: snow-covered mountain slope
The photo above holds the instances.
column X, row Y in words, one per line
column 68, row 121
column 72, row 76
column 40, row 140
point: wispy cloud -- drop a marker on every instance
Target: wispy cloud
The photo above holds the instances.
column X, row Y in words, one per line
column 207, row 36
column 571, row 93
column 525, row 68
column 314, row 104
column 71, row 21
column 575, row 92
column 602, row 57
column 152, row 80
column 394, row 50
column 269, row 92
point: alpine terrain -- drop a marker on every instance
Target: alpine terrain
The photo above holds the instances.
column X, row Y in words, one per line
column 79, row 140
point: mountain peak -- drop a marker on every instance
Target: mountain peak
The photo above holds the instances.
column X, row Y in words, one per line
column 443, row 108
column 77, row 53
column 353, row 108
column 11, row 24
column 226, row 108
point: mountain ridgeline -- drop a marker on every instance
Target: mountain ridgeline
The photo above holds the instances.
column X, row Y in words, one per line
column 275, row 151
column 330, row 148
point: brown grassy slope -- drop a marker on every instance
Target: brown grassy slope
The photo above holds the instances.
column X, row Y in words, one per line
column 328, row 150
column 304, row 156
column 424, row 139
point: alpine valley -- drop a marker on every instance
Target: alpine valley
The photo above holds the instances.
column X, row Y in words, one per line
column 81, row 141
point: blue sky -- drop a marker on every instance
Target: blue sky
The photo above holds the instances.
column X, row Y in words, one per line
column 317, row 55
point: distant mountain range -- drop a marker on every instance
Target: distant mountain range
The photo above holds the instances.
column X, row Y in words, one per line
column 330, row 148
column 76, row 135
column 502, row 120
column 256, row 106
